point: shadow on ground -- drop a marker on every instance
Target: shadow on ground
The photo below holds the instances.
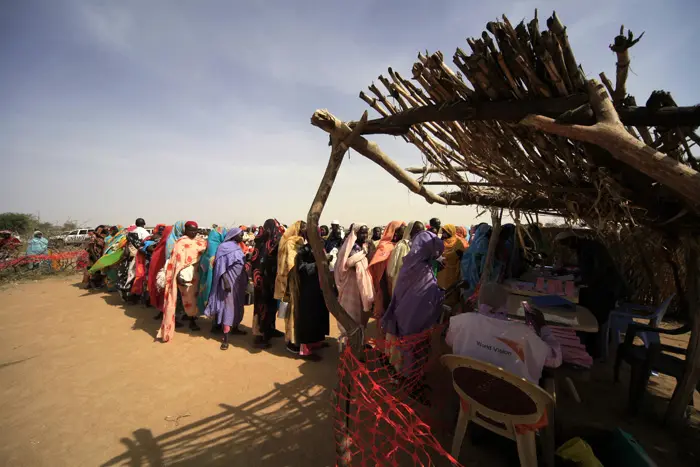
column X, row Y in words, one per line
column 288, row 426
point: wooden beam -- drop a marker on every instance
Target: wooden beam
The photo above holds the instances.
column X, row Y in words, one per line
column 460, row 198
column 433, row 170
column 516, row 110
column 610, row 134
column 520, row 186
column 340, row 130
column 340, row 147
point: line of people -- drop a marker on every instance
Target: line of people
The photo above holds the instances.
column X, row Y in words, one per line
column 398, row 275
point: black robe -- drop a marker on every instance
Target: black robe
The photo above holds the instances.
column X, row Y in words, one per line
column 311, row 320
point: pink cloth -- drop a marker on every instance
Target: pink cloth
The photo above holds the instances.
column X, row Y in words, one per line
column 573, row 351
column 352, row 278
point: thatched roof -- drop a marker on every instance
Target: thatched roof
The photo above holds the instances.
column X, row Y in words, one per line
column 469, row 121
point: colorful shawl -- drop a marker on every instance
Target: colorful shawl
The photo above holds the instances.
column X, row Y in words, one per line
column 157, row 263
column 286, row 257
column 206, row 266
column 177, row 231
column 449, row 275
column 186, row 252
column 380, row 260
column 114, row 250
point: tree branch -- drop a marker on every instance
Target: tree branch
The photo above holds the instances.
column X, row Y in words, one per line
column 610, row 134
column 339, row 130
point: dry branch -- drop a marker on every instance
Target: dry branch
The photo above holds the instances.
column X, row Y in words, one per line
column 339, row 130
column 611, row 135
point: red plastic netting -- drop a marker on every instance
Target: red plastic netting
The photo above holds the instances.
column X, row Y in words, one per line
column 385, row 408
column 59, row 261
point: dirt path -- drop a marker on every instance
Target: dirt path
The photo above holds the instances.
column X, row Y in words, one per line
column 83, row 383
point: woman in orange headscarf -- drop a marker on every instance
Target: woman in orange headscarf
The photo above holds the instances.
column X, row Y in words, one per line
column 377, row 267
column 450, row 274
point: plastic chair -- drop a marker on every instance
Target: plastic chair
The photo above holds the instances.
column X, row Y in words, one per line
column 502, row 403
column 654, row 357
column 625, row 315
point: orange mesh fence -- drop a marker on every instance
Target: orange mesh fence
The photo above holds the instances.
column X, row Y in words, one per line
column 385, row 409
column 20, row 266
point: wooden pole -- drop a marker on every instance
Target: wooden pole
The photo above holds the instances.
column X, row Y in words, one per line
column 339, row 148
column 685, row 388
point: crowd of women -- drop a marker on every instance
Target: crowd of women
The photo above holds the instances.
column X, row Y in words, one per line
column 399, row 274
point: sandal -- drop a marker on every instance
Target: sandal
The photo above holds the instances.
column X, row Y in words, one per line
column 224, row 346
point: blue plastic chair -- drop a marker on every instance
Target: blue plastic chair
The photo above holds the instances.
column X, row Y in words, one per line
column 624, row 315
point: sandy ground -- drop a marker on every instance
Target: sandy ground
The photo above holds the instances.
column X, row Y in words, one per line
column 82, row 383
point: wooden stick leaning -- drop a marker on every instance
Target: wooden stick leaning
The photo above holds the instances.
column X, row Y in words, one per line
column 339, row 148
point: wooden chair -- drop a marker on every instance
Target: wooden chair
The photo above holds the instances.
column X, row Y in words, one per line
column 502, row 403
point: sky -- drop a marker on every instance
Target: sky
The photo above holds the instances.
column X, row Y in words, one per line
column 200, row 109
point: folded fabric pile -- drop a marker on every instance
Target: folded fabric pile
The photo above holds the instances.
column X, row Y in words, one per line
column 573, row 351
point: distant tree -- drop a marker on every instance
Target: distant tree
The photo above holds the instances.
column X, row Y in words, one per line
column 47, row 227
column 16, row 222
column 70, row 225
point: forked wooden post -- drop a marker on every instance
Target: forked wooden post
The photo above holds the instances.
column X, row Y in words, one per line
column 339, row 148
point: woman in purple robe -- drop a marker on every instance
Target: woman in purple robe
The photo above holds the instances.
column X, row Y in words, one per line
column 416, row 303
column 228, row 287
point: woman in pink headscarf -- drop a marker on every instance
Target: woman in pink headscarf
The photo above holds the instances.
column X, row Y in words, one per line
column 352, row 276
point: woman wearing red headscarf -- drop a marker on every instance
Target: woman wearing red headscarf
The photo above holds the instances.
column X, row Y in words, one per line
column 377, row 267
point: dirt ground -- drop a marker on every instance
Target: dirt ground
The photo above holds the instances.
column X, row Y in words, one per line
column 82, row 383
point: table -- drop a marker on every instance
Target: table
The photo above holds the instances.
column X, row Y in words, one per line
column 580, row 320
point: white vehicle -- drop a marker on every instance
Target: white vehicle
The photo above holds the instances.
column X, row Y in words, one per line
column 74, row 237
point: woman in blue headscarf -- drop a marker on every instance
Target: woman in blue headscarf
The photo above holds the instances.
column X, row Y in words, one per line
column 474, row 259
column 175, row 234
column 206, row 266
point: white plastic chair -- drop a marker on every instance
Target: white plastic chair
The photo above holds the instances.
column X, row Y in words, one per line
column 498, row 401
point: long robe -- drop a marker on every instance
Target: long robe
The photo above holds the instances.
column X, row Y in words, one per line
column 186, row 253
column 450, row 274
column 263, row 264
column 377, row 268
column 398, row 254
column 156, row 295
column 227, row 307
column 206, row 266
column 310, row 321
column 415, row 305
column 352, row 278
column 289, row 245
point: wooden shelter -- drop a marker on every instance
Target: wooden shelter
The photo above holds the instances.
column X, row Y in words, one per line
column 519, row 113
